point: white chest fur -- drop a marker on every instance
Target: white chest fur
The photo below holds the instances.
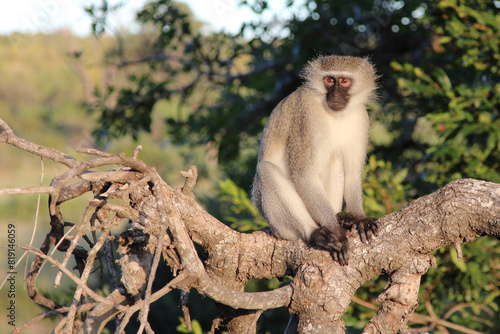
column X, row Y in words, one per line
column 345, row 133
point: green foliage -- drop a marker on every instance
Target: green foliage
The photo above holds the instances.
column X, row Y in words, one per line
column 384, row 187
column 241, row 213
column 466, row 292
column 357, row 316
column 457, row 89
column 234, row 82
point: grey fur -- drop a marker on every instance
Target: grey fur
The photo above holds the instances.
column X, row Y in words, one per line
column 311, row 157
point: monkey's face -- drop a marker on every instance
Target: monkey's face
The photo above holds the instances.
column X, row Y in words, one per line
column 341, row 81
column 337, row 91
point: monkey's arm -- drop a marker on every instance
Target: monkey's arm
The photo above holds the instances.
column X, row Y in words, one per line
column 332, row 241
column 329, row 235
column 353, row 194
column 353, row 191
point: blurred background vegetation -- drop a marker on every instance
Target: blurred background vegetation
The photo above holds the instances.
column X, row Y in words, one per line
column 191, row 96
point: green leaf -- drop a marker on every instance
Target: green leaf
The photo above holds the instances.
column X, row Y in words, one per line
column 444, row 39
column 442, row 78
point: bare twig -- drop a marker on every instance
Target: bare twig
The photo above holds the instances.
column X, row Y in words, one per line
column 8, row 136
column 86, row 272
column 458, row 249
column 73, row 277
column 62, row 310
column 191, row 175
column 183, row 302
column 111, row 176
column 434, row 316
column 29, row 190
column 463, row 305
column 154, row 297
column 36, row 217
column 420, row 318
column 366, row 304
column 57, row 281
column 164, row 210
column 93, row 151
column 137, row 150
column 55, row 236
column 74, row 242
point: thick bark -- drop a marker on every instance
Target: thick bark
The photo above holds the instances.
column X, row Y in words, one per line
column 321, row 290
column 463, row 210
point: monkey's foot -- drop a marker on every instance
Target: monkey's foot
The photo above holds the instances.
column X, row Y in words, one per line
column 332, row 240
column 367, row 226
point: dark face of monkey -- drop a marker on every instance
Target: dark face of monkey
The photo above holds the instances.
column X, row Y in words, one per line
column 337, row 95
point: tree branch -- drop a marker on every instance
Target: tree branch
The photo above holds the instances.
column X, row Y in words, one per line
column 169, row 220
column 8, row 136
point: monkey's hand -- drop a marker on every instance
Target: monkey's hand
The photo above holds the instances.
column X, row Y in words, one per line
column 367, row 226
column 333, row 240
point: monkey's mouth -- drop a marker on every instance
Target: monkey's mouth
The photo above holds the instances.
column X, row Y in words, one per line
column 336, row 101
column 336, row 106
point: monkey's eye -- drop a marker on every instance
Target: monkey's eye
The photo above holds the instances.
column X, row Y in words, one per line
column 329, row 81
column 345, row 82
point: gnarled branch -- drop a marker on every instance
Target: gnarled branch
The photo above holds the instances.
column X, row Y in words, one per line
column 170, row 221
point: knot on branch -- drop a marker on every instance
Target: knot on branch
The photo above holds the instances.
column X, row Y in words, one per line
column 402, row 288
column 421, row 263
column 311, row 276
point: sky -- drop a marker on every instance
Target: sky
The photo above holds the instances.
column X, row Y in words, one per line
column 31, row 16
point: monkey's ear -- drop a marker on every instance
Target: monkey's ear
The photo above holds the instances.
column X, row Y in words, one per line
column 333, row 241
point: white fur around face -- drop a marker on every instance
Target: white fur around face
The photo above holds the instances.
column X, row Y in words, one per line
column 342, row 138
column 359, row 89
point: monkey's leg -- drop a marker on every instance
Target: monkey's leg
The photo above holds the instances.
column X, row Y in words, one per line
column 288, row 216
column 281, row 205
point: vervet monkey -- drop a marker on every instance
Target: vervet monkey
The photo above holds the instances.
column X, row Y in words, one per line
column 312, row 154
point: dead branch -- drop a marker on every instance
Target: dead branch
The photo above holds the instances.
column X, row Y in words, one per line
column 47, row 314
column 30, row 190
column 7, row 136
column 168, row 221
column 72, row 276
